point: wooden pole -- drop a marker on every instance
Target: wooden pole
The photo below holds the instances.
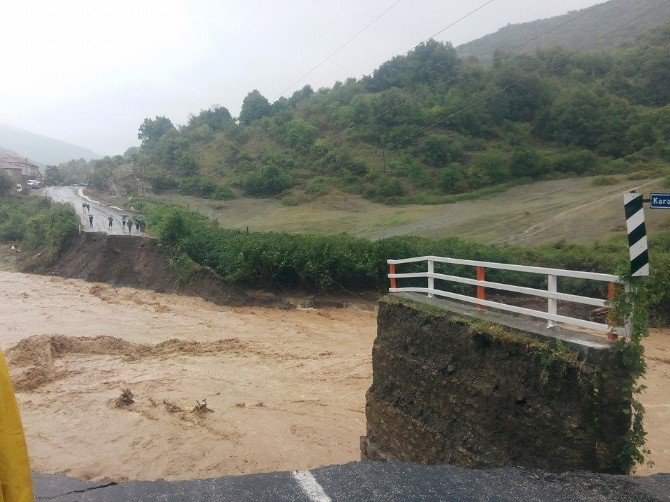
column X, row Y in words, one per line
column 481, row 295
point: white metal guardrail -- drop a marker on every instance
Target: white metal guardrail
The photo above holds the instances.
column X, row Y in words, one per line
column 552, row 294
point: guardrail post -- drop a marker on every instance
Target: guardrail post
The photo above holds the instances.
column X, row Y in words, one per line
column 611, row 295
column 481, row 294
column 552, row 303
column 431, row 280
column 392, row 271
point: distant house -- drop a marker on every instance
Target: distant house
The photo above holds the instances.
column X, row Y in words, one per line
column 13, row 173
column 10, row 165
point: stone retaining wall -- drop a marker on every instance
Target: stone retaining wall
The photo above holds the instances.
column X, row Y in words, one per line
column 450, row 388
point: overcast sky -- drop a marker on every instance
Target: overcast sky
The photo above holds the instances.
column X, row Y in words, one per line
column 88, row 72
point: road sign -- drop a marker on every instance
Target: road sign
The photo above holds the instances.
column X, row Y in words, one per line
column 659, row 200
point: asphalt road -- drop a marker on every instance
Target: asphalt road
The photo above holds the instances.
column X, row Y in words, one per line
column 100, row 212
column 374, row 481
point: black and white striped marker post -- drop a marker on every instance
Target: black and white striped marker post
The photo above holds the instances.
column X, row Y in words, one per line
column 637, row 234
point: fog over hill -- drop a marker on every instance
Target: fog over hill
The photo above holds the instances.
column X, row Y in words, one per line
column 592, row 22
column 41, row 149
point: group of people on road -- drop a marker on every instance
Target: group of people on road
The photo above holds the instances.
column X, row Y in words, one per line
column 86, row 208
column 125, row 221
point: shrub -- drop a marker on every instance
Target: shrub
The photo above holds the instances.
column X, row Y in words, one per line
column 440, row 150
column 451, row 178
column 266, row 181
column 386, row 187
column 39, row 224
column 51, row 230
column 299, row 134
column 576, row 161
column 527, row 162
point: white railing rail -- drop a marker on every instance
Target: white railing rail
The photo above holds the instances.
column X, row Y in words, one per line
column 551, row 293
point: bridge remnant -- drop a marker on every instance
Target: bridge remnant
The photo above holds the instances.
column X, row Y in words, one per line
column 454, row 384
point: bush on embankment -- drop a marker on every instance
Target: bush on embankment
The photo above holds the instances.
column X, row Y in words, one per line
column 38, row 224
column 342, row 261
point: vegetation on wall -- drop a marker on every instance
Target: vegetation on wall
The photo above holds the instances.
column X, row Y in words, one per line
column 634, row 305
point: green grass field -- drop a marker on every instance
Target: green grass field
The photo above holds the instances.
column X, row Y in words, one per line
column 577, row 210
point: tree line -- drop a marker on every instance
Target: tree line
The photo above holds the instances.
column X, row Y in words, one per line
column 422, row 127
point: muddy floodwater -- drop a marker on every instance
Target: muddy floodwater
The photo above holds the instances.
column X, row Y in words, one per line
column 286, row 388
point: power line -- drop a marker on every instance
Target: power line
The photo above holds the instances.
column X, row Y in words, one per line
column 461, row 18
column 339, row 49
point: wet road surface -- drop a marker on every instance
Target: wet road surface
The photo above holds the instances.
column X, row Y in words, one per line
column 100, row 212
column 371, row 481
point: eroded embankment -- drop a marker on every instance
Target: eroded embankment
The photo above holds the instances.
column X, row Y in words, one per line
column 124, row 260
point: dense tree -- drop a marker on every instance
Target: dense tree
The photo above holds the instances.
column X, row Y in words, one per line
column 217, row 118
column 431, row 61
column 266, row 181
column 524, row 95
column 586, row 118
column 53, row 176
column 255, row 106
column 151, row 130
column 527, row 162
column 299, row 134
column 656, row 76
column 439, row 150
column 300, row 95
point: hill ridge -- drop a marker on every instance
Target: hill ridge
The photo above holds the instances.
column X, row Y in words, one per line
column 595, row 20
column 40, row 148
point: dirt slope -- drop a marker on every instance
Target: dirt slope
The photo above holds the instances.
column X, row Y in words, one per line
column 124, row 260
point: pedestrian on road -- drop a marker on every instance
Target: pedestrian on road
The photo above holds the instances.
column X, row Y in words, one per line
column 111, row 220
column 137, row 224
column 142, row 225
column 130, row 225
column 90, row 220
column 83, row 207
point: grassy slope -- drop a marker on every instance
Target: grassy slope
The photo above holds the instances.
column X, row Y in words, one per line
column 597, row 20
column 574, row 209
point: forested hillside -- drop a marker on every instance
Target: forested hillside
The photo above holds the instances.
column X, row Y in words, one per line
column 425, row 127
column 582, row 27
